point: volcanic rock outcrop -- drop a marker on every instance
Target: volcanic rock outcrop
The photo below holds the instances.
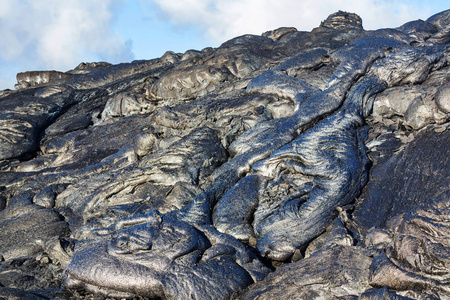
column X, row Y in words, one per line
column 291, row 165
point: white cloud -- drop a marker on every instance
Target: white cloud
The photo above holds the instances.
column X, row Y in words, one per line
column 55, row 34
column 225, row 19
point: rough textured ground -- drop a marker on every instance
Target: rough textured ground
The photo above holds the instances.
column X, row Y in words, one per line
column 291, row 165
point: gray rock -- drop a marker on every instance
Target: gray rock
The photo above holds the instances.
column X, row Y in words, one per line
column 337, row 271
column 125, row 104
column 418, row 114
column 18, row 240
column 441, row 19
column 185, row 84
column 29, row 79
column 17, row 294
column 155, row 256
column 442, row 98
column 292, row 165
column 419, row 30
column 403, row 180
column 416, row 259
column 284, row 86
column 343, row 19
column 279, row 33
column 323, row 178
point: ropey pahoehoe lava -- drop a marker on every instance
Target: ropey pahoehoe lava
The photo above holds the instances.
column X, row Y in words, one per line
column 290, row 165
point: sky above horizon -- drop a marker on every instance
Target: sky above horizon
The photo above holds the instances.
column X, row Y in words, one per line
column 58, row 35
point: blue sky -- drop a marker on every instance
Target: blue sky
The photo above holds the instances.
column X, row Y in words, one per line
column 59, row 34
